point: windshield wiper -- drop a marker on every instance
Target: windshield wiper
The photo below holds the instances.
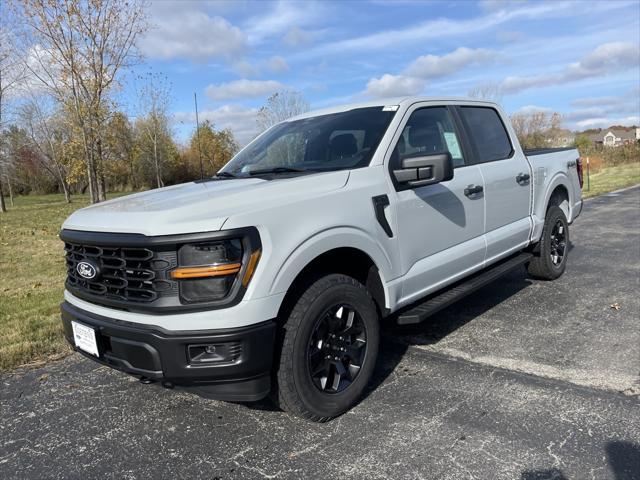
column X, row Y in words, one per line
column 226, row 175
column 276, row 170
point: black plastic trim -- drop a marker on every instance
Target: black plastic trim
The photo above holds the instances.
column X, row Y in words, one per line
column 153, row 353
column 166, row 305
column 531, row 152
column 379, row 204
column 110, row 239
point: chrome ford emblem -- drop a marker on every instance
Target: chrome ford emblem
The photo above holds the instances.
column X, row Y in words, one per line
column 86, row 270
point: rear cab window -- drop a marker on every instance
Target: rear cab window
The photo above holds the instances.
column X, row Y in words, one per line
column 487, row 134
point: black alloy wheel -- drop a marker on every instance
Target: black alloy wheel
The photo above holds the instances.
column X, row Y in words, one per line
column 558, row 242
column 550, row 254
column 337, row 349
column 330, row 340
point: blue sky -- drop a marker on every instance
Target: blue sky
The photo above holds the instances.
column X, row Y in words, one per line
column 579, row 58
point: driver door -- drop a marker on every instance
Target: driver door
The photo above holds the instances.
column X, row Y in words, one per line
column 440, row 227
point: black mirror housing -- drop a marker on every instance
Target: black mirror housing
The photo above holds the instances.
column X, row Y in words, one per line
column 425, row 170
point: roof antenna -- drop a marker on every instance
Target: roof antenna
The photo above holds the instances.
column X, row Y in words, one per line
column 195, row 99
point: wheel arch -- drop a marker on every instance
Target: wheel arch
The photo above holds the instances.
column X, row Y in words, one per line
column 347, row 252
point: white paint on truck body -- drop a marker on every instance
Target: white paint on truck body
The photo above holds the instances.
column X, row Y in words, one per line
column 439, row 234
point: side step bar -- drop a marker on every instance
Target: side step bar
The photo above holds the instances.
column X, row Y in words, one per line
column 439, row 300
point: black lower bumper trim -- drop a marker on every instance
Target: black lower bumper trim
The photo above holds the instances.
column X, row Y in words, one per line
column 158, row 355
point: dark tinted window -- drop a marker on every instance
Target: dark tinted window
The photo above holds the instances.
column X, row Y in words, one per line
column 488, row 135
column 326, row 142
column 428, row 131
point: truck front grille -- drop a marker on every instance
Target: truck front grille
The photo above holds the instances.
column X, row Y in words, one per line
column 128, row 275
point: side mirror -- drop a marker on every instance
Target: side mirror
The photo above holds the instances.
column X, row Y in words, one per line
column 425, row 170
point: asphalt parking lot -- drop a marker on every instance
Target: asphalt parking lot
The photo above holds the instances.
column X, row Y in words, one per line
column 522, row 380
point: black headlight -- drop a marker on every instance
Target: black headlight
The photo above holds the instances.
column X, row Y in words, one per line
column 214, row 271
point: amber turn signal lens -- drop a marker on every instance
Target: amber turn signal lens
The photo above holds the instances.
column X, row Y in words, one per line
column 251, row 267
column 206, row 271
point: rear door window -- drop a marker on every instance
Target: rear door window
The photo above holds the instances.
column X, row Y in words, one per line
column 487, row 134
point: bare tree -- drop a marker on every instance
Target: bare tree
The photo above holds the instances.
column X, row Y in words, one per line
column 488, row 91
column 537, row 129
column 154, row 96
column 49, row 136
column 280, row 106
column 11, row 76
column 77, row 49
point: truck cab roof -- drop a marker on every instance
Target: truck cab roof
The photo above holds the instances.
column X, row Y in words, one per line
column 391, row 101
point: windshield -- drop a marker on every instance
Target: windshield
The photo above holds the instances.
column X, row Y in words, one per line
column 327, row 142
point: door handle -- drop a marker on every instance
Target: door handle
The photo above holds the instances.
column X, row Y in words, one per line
column 522, row 178
column 472, row 190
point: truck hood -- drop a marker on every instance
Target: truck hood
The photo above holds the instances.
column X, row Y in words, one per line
column 198, row 206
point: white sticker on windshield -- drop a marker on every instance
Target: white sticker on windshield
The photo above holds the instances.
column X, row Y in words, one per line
column 390, row 108
column 452, row 144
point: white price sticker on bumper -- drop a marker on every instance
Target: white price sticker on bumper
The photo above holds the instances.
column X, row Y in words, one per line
column 85, row 338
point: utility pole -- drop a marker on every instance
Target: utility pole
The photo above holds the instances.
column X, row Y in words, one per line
column 195, row 99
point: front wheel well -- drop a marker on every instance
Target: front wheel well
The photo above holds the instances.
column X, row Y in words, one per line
column 345, row 260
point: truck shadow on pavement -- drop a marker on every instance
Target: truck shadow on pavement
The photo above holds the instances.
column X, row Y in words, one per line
column 396, row 339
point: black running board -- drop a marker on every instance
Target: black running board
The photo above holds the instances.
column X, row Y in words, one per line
column 422, row 310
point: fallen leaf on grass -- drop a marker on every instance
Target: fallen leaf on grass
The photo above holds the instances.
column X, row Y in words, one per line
column 615, row 306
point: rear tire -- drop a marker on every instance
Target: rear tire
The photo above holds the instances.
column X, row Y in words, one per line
column 551, row 259
column 329, row 349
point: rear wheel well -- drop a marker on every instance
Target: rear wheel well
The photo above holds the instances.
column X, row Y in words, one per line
column 347, row 261
column 560, row 198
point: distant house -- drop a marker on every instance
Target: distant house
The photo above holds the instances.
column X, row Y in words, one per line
column 615, row 137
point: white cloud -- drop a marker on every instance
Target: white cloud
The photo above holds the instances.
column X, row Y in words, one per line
column 184, row 31
column 394, row 85
column 414, row 78
column 530, row 109
column 595, row 101
column 604, row 122
column 239, row 119
column 492, row 5
column 444, row 27
column 277, row 64
column 296, row 37
column 432, row 66
column 243, row 88
column 509, row 36
column 605, row 59
column 284, row 17
column 245, row 68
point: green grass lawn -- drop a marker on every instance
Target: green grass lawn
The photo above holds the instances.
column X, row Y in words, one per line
column 612, row 178
column 32, row 269
column 32, row 274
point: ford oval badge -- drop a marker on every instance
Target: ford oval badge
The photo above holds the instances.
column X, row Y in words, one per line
column 86, row 270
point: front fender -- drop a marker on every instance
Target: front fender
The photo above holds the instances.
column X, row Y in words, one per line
column 324, row 241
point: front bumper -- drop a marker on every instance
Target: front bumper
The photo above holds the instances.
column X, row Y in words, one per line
column 155, row 354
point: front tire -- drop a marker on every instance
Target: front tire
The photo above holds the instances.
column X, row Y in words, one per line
column 329, row 349
column 551, row 260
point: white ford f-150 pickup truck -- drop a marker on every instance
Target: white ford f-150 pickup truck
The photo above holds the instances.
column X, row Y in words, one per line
column 274, row 276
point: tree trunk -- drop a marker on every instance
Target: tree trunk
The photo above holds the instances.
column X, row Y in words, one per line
column 3, row 207
column 102, row 194
column 155, row 159
column 10, row 191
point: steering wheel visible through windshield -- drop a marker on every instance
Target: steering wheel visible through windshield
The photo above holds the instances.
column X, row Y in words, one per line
column 335, row 141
